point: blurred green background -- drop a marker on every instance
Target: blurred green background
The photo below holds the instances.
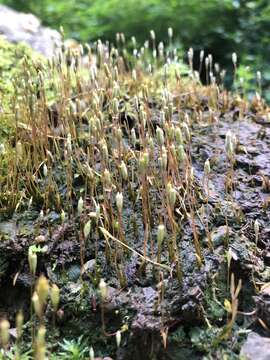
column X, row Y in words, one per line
column 219, row 27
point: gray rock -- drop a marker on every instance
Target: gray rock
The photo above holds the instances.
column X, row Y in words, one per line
column 20, row 27
column 218, row 235
column 89, row 266
column 256, row 347
column 8, row 230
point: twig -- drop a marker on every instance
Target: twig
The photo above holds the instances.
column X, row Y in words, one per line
column 107, row 234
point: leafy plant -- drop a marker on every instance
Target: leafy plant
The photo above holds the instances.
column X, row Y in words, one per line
column 74, row 349
column 11, row 355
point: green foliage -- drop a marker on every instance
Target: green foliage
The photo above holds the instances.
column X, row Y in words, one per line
column 220, row 27
column 86, row 20
column 246, row 80
column 179, row 336
column 204, row 339
column 37, row 249
column 73, row 349
column 12, row 354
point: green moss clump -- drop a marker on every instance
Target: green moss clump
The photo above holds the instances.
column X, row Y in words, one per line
column 11, row 69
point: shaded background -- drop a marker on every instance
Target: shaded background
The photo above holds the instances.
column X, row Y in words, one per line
column 218, row 26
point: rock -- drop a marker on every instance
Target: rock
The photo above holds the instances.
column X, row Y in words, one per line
column 262, row 302
column 219, row 235
column 8, row 230
column 3, row 266
column 20, row 27
column 89, row 266
column 115, row 299
column 256, row 347
column 74, row 272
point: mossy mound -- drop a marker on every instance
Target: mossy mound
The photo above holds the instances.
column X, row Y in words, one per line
column 11, row 75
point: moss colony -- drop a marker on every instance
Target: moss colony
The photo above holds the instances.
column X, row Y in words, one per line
column 134, row 206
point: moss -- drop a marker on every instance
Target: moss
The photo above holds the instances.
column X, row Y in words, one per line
column 11, row 69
